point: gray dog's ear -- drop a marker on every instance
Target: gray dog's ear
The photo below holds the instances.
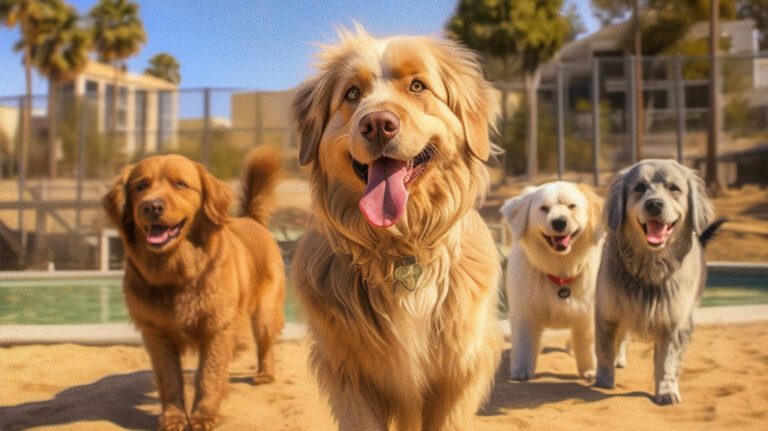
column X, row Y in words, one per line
column 515, row 213
column 699, row 205
column 311, row 110
column 616, row 202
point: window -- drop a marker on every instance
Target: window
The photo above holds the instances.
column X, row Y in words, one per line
column 122, row 108
column 140, row 119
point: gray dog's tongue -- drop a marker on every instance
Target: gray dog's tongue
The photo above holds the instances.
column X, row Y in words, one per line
column 385, row 196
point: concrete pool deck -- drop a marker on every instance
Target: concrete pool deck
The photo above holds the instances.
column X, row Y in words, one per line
column 125, row 334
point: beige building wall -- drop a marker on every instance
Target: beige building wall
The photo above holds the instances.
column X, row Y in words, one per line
column 156, row 136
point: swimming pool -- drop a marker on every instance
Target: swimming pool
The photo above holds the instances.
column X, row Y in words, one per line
column 53, row 300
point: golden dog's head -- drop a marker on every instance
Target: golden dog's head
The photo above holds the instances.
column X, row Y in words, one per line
column 554, row 216
column 397, row 130
column 654, row 202
column 156, row 202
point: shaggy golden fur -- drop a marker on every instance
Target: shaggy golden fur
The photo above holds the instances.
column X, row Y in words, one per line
column 534, row 219
column 386, row 356
column 196, row 277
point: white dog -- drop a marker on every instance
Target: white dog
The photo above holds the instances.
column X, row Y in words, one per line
column 552, row 270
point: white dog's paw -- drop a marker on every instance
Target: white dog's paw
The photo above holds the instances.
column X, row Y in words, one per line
column 670, row 397
column 588, row 375
column 621, row 361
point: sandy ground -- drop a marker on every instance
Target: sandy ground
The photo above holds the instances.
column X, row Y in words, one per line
column 724, row 386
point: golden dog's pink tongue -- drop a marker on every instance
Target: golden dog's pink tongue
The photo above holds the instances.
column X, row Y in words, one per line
column 385, row 196
column 656, row 232
column 158, row 234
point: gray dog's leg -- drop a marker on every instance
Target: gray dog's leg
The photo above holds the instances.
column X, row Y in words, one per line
column 667, row 358
column 606, row 337
column 621, row 356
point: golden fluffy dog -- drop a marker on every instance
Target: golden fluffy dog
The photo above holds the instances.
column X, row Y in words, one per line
column 552, row 271
column 196, row 277
column 397, row 272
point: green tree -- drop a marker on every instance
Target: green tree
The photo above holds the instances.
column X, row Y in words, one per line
column 118, row 33
column 164, row 66
column 523, row 35
column 59, row 52
column 22, row 13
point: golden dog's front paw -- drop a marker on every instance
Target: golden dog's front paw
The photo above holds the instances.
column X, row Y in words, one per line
column 262, row 378
column 203, row 421
column 172, row 420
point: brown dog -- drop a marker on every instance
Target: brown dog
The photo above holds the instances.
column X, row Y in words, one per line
column 195, row 277
column 398, row 272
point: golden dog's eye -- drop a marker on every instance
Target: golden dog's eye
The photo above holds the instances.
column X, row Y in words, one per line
column 181, row 184
column 674, row 188
column 641, row 188
column 544, row 208
column 417, row 86
column 140, row 186
column 352, row 94
column 572, row 206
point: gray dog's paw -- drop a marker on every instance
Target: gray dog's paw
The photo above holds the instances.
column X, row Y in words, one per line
column 521, row 374
column 602, row 380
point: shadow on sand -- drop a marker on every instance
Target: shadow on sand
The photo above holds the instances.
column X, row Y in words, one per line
column 114, row 398
column 509, row 394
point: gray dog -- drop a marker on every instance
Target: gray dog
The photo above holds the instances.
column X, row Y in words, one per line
column 653, row 271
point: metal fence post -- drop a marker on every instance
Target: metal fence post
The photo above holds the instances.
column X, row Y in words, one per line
column 207, row 127
column 560, row 124
column 81, row 124
column 680, row 105
column 22, row 172
column 632, row 110
column 596, row 119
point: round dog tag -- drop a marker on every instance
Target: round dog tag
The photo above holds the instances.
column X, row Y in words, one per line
column 564, row 292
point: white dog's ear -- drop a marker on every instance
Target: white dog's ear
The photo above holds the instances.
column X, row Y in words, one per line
column 311, row 110
column 469, row 95
column 616, row 202
column 515, row 213
column 699, row 205
column 595, row 203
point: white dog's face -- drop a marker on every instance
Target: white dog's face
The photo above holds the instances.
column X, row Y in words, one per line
column 555, row 215
column 558, row 212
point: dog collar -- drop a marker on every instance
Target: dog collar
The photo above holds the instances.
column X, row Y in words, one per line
column 564, row 283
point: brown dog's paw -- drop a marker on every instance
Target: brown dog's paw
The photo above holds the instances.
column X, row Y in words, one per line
column 263, row 378
column 172, row 421
column 203, row 421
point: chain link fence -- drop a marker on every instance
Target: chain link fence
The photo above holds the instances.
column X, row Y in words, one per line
column 586, row 119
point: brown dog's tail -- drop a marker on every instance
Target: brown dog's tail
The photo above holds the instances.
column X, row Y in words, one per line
column 263, row 168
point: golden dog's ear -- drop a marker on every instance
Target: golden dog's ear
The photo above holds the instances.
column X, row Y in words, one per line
column 595, row 203
column 216, row 197
column 311, row 110
column 616, row 202
column 699, row 205
column 469, row 96
column 117, row 205
column 515, row 213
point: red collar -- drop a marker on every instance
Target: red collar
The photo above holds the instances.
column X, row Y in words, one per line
column 561, row 281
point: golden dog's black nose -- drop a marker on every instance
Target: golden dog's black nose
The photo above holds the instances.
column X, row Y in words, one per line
column 654, row 206
column 379, row 127
column 153, row 208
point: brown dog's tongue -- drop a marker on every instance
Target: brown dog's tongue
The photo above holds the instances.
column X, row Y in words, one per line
column 385, row 196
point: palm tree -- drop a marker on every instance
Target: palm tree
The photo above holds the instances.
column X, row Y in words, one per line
column 60, row 52
column 165, row 67
column 22, row 13
column 118, row 33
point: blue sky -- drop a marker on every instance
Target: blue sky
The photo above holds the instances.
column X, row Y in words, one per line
column 256, row 44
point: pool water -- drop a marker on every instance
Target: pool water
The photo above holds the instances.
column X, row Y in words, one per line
column 73, row 302
column 56, row 302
